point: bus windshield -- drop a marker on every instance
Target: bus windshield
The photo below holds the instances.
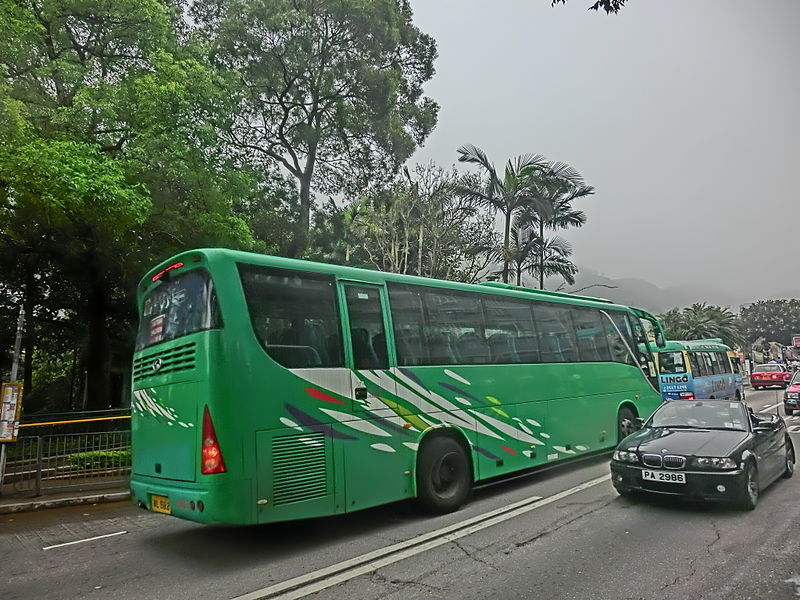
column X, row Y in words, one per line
column 671, row 363
column 180, row 305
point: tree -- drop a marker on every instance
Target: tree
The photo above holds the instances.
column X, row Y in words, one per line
column 415, row 224
column 508, row 194
column 703, row 321
column 773, row 320
column 67, row 212
column 610, row 6
column 330, row 91
column 110, row 161
column 559, row 185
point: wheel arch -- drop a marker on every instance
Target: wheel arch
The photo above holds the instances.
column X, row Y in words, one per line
column 453, row 432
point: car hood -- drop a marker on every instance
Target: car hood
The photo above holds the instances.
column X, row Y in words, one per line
column 685, row 442
column 794, row 388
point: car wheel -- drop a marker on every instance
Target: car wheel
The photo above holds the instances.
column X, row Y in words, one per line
column 443, row 475
column 789, row 411
column 738, row 396
column 789, row 469
column 749, row 491
column 626, row 424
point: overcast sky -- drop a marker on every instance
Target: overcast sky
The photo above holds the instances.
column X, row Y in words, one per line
column 684, row 115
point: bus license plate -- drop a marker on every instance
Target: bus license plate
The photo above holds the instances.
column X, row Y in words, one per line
column 160, row 504
column 664, row 476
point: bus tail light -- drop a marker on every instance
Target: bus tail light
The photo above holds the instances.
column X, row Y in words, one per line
column 211, row 455
column 687, row 396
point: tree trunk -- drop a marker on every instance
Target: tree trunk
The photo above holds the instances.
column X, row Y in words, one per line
column 541, row 253
column 98, row 350
column 28, row 337
column 419, row 257
column 506, row 237
column 298, row 245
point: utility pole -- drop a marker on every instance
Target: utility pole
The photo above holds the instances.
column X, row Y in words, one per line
column 13, row 379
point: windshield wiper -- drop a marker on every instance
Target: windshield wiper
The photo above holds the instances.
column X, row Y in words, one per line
column 680, row 426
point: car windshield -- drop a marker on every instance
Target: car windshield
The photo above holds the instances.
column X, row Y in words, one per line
column 700, row 415
column 763, row 368
column 671, row 363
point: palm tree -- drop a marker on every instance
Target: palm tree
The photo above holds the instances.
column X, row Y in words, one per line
column 702, row 321
column 507, row 194
column 559, row 185
column 551, row 257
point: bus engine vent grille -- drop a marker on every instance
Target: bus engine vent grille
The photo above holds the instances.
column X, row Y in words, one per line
column 179, row 358
column 299, row 468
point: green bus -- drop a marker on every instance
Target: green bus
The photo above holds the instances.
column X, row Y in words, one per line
column 267, row 389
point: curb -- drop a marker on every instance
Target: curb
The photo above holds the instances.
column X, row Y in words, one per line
column 59, row 502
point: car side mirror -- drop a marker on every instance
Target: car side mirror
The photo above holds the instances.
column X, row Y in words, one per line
column 638, row 422
column 761, row 428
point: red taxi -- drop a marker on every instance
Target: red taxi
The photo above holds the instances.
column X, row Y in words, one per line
column 791, row 399
column 769, row 374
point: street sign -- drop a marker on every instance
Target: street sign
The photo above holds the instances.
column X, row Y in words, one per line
column 10, row 409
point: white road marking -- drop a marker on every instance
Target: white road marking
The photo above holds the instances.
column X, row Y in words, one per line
column 98, row 537
column 771, row 406
column 794, row 429
column 316, row 581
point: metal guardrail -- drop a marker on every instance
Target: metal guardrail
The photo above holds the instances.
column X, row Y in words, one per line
column 38, row 464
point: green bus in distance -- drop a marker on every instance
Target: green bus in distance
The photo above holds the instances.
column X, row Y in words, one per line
column 267, row 389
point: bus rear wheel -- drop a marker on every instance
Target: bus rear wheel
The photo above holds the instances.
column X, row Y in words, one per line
column 626, row 423
column 443, row 475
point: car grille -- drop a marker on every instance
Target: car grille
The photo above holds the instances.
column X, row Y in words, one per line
column 668, row 462
column 651, row 460
column 674, row 462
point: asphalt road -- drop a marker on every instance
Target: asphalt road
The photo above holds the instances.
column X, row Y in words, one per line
column 579, row 540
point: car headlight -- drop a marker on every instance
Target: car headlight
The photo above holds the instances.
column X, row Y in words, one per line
column 623, row 456
column 714, row 463
column 793, row 395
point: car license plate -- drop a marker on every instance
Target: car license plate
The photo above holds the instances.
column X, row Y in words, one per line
column 664, row 476
column 160, row 504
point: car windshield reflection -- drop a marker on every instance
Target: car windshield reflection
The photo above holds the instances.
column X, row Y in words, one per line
column 700, row 415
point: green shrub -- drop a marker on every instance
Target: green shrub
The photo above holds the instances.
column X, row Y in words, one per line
column 100, row 460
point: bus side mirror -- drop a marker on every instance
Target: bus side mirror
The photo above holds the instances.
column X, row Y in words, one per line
column 660, row 340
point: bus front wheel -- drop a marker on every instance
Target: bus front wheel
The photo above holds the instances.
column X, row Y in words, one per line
column 443, row 475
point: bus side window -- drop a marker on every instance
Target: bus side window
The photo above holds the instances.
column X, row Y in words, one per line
column 697, row 367
column 556, row 332
column 510, row 330
column 408, row 322
column 455, row 328
column 294, row 315
column 592, row 342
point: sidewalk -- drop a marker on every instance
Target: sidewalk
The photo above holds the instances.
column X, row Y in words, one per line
column 12, row 504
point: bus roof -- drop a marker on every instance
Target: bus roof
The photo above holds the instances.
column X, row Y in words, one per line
column 213, row 255
column 708, row 345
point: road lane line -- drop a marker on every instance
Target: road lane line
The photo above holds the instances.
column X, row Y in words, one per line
column 771, row 406
column 91, row 539
column 316, row 581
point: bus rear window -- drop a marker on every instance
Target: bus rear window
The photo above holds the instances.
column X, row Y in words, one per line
column 180, row 305
column 671, row 363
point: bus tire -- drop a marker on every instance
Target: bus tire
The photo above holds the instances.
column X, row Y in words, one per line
column 625, row 423
column 443, row 475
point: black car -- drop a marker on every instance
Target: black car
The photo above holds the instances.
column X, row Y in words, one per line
column 705, row 449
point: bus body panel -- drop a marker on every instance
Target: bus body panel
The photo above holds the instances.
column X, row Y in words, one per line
column 298, row 443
